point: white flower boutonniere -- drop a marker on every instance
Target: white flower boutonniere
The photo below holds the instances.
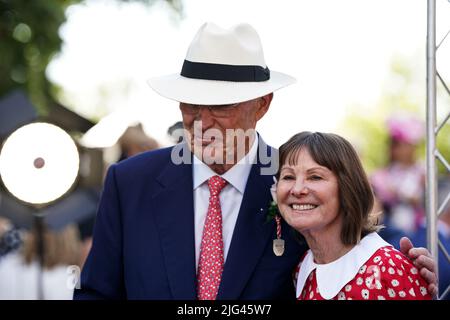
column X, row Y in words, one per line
column 272, row 212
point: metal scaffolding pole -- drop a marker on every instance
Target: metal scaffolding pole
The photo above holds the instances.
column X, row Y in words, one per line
column 433, row 154
column 431, row 189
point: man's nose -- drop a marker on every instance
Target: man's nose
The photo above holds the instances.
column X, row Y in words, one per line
column 204, row 115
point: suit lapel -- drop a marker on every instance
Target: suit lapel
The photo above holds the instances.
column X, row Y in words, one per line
column 174, row 214
column 250, row 237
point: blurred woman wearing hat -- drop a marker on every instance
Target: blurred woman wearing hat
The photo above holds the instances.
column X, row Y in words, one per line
column 400, row 186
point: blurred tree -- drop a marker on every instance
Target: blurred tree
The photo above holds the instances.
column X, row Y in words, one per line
column 404, row 91
column 29, row 39
column 443, row 144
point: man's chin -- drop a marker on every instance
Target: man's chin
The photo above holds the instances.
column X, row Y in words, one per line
column 206, row 146
column 209, row 154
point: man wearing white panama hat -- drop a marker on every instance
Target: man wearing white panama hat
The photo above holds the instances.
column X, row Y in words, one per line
column 190, row 222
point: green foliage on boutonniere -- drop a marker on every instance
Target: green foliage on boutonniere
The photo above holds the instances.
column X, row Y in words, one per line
column 272, row 211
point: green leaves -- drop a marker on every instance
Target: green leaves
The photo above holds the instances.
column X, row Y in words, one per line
column 272, row 211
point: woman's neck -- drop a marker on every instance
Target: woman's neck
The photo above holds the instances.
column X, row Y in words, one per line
column 326, row 246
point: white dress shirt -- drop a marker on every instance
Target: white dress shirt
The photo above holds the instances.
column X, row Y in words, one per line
column 230, row 196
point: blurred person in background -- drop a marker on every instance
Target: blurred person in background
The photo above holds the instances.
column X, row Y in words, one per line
column 400, row 186
column 19, row 271
column 175, row 132
column 86, row 230
column 10, row 237
column 134, row 141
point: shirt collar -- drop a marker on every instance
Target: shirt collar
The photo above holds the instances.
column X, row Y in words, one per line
column 333, row 276
column 237, row 175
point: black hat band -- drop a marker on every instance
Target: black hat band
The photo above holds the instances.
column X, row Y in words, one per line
column 224, row 72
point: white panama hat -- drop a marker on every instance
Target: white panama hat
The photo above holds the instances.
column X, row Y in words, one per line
column 222, row 66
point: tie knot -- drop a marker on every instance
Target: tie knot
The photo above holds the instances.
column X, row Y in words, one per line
column 216, row 184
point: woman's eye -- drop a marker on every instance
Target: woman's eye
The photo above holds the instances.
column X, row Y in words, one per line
column 316, row 177
column 287, row 177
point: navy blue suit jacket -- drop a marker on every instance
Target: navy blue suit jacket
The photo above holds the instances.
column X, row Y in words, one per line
column 143, row 245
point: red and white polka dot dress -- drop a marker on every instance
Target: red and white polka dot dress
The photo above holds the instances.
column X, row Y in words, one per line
column 387, row 275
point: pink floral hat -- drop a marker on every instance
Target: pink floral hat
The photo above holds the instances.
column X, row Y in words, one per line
column 406, row 128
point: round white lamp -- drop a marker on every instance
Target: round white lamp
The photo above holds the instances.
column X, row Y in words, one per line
column 39, row 163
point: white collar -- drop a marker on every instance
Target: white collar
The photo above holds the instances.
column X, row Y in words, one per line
column 333, row 276
column 237, row 175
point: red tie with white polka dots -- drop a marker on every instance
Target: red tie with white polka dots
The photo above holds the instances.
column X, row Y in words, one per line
column 210, row 265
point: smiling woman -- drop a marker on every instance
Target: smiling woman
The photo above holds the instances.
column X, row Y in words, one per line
column 323, row 167
column 323, row 193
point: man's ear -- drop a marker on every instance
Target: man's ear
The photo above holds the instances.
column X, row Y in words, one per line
column 263, row 105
